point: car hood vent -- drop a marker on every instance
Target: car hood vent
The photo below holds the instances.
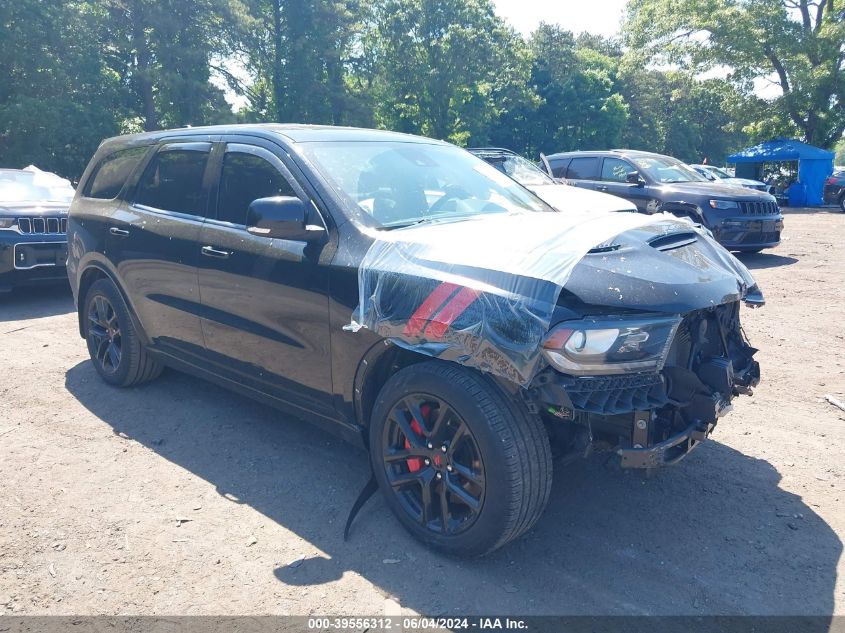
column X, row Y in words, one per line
column 672, row 241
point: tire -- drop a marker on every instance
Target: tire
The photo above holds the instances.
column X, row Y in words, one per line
column 842, row 203
column 113, row 343
column 502, row 462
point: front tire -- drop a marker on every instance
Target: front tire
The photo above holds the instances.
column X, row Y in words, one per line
column 113, row 343
column 464, row 466
column 842, row 203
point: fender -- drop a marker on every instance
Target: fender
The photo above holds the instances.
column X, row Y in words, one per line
column 105, row 267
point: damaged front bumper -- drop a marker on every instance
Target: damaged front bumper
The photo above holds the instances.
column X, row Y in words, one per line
column 655, row 419
column 668, row 452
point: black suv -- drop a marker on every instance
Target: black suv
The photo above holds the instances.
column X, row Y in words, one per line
column 405, row 294
column 739, row 218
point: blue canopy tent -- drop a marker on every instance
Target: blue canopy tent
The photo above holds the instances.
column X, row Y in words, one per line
column 814, row 166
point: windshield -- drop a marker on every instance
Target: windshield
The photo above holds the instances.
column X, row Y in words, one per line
column 523, row 171
column 25, row 187
column 398, row 184
column 718, row 172
column 664, row 170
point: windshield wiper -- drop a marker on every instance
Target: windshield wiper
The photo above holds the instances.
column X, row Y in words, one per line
column 437, row 218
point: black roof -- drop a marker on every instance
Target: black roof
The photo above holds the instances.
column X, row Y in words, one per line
column 292, row 132
column 604, row 152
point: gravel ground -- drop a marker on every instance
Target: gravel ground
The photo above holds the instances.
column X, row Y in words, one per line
column 180, row 498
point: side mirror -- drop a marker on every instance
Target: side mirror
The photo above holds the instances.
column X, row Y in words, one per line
column 283, row 217
column 633, row 177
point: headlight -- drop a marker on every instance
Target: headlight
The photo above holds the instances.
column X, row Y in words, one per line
column 723, row 204
column 7, row 223
column 610, row 345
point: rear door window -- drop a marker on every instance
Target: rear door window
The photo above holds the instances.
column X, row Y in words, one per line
column 559, row 167
column 111, row 173
column 247, row 177
column 174, row 179
column 586, row 168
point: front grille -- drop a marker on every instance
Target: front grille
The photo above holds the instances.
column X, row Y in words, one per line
column 759, row 208
column 608, row 395
column 55, row 226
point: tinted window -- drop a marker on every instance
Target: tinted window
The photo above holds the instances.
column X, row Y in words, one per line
column 583, row 169
column 559, row 167
column 616, row 170
column 246, row 178
column 173, row 182
column 110, row 174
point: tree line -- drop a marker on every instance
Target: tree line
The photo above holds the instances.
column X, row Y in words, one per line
column 73, row 73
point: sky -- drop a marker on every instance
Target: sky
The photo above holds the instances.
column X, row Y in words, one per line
column 601, row 17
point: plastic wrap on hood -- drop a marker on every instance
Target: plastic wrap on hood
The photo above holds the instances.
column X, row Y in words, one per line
column 481, row 291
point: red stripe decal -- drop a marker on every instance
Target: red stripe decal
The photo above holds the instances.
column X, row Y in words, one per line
column 451, row 311
column 427, row 308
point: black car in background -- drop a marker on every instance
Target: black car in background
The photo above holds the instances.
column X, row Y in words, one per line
column 408, row 296
column 33, row 227
column 740, row 219
column 834, row 189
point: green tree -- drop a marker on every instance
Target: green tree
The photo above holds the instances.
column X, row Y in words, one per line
column 799, row 43
column 161, row 50
column 58, row 97
column 674, row 113
column 443, row 68
column 575, row 80
column 298, row 56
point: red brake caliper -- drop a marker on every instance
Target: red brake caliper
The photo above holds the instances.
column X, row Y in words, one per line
column 415, row 463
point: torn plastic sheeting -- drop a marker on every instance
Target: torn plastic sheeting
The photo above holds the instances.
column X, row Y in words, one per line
column 480, row 291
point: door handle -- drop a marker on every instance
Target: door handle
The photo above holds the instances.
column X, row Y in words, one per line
column 208, row 251
column 119, row 232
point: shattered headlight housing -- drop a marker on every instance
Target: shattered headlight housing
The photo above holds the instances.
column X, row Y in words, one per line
column 610, row 345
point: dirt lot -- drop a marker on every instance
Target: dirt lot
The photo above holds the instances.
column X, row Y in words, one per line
column 181, row 498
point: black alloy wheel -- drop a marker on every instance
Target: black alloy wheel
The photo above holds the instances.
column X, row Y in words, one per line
column 115, row 348
column 104, row 336
column 460, row 460
column 433, row 464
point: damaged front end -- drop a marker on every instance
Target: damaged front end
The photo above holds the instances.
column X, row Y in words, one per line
column 654, row 418
column 622, row 333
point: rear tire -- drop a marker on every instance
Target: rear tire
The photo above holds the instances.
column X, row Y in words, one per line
column 487, row 474
column 113, row 343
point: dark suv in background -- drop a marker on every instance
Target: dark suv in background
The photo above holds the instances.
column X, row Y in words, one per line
column 741, row 219
column 33, row 227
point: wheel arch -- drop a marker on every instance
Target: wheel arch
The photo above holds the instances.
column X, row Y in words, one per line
column 380, row 362
column 93, row 272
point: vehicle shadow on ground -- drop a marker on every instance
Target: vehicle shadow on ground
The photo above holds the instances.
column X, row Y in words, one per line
column 715, row 535
column 35, row 302
column 757, row 261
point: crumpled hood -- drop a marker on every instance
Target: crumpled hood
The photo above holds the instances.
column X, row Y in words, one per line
column 483, row 291
column 571, row 199
column 661, row 267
